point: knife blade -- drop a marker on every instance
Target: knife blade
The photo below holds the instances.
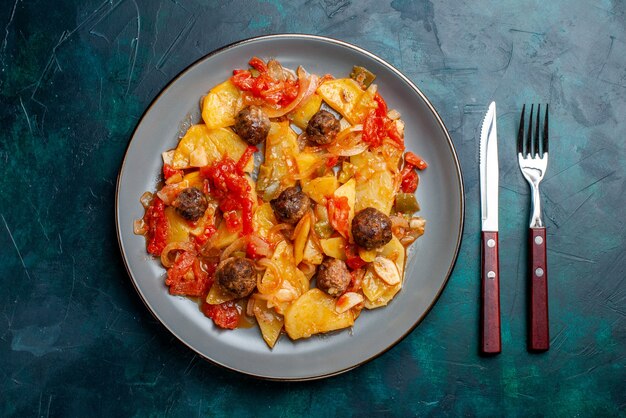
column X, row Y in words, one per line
column 490, row 271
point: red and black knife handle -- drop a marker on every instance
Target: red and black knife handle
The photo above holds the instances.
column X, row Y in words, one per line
column 490, row 342
column 539, row 332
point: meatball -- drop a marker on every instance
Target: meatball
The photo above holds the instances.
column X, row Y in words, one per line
column 237, row 276
column 190, row 204
column 252, row 124
column 371, row 228
column 333, row 277
column 291, row 205
column 322, row 128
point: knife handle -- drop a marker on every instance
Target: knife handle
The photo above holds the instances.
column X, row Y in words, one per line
column 490, row 293
column 539, row 335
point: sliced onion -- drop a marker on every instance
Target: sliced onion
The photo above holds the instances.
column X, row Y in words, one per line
column 139, row 227
column 146, row 199
column 306, row 88
column 169, row 192
column 286, row 295
column 250, row 307
column 276, row 70
column 393, row 114
column 237, row 245
column 399, row 226
column 259, row 296
column 260, row 246
column 166, row 259
column 348, row 142
column 279, row 228
column 267, row 288
column 307, row 268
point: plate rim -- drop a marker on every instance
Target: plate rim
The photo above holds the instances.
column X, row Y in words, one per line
column 399, row 74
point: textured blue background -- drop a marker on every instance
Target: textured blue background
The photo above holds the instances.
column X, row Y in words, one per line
column 76, row 76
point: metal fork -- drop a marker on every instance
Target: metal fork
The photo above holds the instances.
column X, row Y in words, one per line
column 532, row 156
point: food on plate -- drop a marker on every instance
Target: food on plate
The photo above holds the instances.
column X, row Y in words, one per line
column 313, row 232
column 371, row 228
column 322, row 128
column 290, row 205
column 333, row 276
column 252, row 125
column 236, row 276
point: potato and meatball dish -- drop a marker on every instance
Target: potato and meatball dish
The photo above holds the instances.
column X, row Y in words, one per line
column 290, row 205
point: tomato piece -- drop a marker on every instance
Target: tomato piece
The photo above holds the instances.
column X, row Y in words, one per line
column 251, row 250
column 258, row 64
column 415, row 160
column 232, row 220
column 225, row 315
column 410, row 180
column 168, row 171
column 242, row 79
column 381, row 109
column 377, row 126
column 355, row 263
column 232, row 191
column 178, row 276
column 339, row 213
column 353, row 260
column 373, row 128
column 158, row 227
column 356, row 280
column 394, row 135
column 274, row 92
column 332, row 161
column 208, row 232
column 245, row 157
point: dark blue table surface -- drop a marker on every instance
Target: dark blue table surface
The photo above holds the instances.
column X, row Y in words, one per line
column 76, row 76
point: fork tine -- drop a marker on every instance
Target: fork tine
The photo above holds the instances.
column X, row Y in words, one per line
column 545, row 132
column 537, row 138
column 520, row 134
column 529, row 134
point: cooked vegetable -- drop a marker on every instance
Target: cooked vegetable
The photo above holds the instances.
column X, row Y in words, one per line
column 306, row 110
column 214, row 143
column 269, row 321
column 319, row 188
column 314, row 313
column 279, row 169
column 323, row 229
column 262, row 255
column 220, row 106
column 301, row 235
column 342, row 95
column 362, row 75
column 334, row 247
column 406, row 203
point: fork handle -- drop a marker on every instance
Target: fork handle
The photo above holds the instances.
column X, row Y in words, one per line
column 539, row 335
column 490, row 294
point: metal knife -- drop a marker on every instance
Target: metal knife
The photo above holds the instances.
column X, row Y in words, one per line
column 490, row 271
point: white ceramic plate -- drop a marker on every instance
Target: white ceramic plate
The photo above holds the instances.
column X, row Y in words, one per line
column 430, row 260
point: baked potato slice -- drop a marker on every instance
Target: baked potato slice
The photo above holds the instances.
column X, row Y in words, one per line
column 313, row 313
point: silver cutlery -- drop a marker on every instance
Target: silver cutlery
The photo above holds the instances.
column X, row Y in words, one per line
column 490, row 271
column 532, row 156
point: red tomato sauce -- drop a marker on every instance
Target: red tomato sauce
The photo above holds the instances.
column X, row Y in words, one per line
column 231, row 189
column 274, row 92
column 157, row 227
